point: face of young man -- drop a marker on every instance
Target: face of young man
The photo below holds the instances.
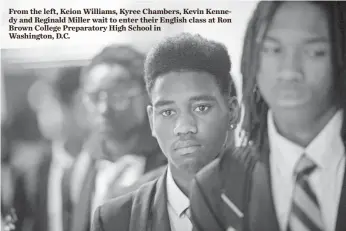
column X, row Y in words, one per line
column 296, row 68
column 189, row 118
column 115, row 100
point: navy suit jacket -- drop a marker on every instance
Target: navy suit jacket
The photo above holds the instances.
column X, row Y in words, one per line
column 243, row 176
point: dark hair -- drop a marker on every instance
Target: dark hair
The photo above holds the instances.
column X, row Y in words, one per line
column 123, row 55
column 188, row 52
column 255, row 118
column 67, row 84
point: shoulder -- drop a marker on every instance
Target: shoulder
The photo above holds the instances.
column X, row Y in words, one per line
column 117, row 212
column 148, row 177
column 142, row 181
column 232, row 156
column 116, row 208
column 225, row 176
column 230, row 168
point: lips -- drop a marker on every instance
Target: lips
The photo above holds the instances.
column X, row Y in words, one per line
column 186, row 144
column 186, row 147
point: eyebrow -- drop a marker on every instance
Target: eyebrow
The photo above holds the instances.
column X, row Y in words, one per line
column 317, row 40
column 203, row 98
column 162, row 103
column 321, row 39
column 267, row 37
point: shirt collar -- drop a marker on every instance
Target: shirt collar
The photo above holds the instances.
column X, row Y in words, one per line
column 175, row 197
column 325, row 149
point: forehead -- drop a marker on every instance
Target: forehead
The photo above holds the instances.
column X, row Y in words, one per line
column 180, row 86
column 107, row 76
column 302, row 19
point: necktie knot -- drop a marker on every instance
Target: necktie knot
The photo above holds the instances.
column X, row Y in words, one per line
column 305, row 167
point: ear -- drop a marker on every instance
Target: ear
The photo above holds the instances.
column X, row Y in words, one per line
column 150, row 112
column 234, row 110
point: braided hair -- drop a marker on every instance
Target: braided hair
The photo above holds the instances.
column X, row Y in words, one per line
column 256, row 109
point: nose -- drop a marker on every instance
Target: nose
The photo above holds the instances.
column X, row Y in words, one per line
column 291, row 65
column 185, row 124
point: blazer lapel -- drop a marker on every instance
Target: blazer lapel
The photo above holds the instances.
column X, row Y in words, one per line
column 262, row 211
column 160, row 220
column 238, row 171
column 341, row 221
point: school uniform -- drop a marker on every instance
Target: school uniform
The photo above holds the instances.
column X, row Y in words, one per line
column 260, row 184
column 158, row 205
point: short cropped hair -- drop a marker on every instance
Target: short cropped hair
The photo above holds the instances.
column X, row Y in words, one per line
column 191, row 53
column 123, row 55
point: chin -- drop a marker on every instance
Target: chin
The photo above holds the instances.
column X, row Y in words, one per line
column 191, row 167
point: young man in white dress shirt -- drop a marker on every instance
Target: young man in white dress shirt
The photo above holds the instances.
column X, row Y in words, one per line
column 294, row 63
column 188, row 80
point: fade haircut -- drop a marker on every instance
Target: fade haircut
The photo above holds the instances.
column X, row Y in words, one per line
column 187, row 52
column 255, row 118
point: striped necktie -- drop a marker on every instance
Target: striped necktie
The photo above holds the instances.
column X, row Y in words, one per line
column 305, row 211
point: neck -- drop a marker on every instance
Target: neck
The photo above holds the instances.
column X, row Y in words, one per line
column 301, row 127
column 182, row 179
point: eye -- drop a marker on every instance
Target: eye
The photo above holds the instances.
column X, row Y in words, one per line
column 316, row 53
column 167, row 113
column 202, row 108
column 271, row 48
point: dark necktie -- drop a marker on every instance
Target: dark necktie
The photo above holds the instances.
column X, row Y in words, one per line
column 305, row 210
